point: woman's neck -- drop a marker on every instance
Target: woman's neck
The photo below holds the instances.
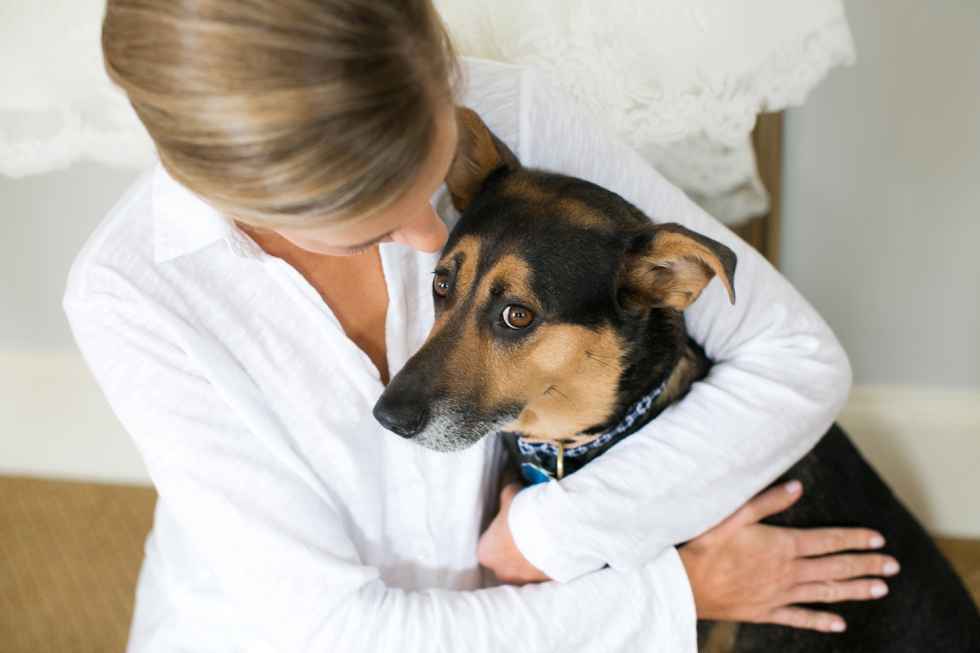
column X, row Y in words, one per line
column 352, row 286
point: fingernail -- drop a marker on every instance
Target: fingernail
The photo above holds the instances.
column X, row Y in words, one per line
column 876, row 542
column 793, row 487
column 878, row 590
column 837, row 626
column 890, row 568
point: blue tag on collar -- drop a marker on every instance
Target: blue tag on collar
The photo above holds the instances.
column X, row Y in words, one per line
column 534, row 474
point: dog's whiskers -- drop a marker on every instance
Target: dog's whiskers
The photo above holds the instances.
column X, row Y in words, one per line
column 595, row 357
column 554, row 389
column 592, row 353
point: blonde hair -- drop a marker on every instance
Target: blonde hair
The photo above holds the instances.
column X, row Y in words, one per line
column 285, row 113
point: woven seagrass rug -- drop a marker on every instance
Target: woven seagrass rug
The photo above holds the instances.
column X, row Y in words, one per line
column 69, row 557
column 70, row 554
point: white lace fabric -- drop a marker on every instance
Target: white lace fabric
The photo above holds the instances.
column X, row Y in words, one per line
column 664, row 70
column 57, row 104
column 680, row 80
column 723, row 180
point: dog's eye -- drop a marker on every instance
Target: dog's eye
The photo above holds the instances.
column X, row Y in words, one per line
column 517, row 317
column 440, row 285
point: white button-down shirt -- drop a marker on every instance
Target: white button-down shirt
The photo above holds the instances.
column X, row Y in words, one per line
column 290, row 520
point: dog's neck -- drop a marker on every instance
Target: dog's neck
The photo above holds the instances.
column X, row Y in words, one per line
column 692, row 365
column 639, row 405
column 662, row 356
column 636, row 415
column 541, row 460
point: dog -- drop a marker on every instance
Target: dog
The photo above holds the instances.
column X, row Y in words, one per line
column 550, row 284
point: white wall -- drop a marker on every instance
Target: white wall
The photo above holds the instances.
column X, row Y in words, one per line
column 45, row 220
column 882, row 194
column 882, row 234
column 54, row 421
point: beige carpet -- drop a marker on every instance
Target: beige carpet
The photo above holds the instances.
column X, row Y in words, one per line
column 70, row 554
column 964, row 555
column 69, row 557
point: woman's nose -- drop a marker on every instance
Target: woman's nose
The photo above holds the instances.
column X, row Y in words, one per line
column 425, row 232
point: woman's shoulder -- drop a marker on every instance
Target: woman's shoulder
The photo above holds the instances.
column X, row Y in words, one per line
column 154, row 237
column 490, row 69
column 517, row 103
column 117, row 243
column 498, row 93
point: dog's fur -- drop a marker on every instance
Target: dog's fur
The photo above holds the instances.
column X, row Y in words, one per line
column 558, row 306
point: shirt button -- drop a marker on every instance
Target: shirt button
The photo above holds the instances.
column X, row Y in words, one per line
column 423, row 555
column 415, row 486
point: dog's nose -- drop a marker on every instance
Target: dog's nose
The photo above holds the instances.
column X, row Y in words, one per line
column 404, row 417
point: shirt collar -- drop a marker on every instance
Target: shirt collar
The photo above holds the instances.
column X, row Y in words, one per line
column 183, row 223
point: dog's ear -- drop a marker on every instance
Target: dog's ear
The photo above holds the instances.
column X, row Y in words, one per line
column 668, row 266
column 478, row 153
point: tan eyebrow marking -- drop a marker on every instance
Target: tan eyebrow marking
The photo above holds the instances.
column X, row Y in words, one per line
column 464, row 257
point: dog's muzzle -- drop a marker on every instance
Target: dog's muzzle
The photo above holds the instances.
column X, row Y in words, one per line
column 438, row 425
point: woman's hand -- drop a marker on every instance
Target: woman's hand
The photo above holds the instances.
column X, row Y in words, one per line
column 498, row 552
column 742, row 570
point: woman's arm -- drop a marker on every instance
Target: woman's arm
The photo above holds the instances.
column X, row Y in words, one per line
column 742, row 570
column 278, row 546
column 780, row 378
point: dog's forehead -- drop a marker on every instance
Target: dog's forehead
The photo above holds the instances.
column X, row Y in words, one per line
column 570, row 235
column 542, row 200
column 533, row 209
column 546, row 244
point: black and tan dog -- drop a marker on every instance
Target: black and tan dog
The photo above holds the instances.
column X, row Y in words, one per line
column 553, row 288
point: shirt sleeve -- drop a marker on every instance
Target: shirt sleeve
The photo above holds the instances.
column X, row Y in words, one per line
column 779, row 379
column 280, row 551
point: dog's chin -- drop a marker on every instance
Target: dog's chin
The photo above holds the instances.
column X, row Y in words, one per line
column 455, row 430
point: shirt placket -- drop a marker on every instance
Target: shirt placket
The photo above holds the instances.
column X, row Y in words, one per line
column 424, row 546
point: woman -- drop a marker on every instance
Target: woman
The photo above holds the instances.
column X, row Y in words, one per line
column 245, row 303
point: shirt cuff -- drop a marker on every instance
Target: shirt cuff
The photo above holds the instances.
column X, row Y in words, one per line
column 537, row 545
column 668, row 588
column 673, row 598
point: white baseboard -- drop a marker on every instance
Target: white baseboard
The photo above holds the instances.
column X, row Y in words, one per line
column 925, row 442
column 55, row 422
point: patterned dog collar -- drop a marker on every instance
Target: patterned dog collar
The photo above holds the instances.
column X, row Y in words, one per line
column 537, row 473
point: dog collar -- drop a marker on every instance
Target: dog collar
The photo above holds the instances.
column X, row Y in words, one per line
column 543, row 451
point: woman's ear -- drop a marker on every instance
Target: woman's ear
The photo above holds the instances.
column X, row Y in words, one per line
column 668, row 266
column 478, row 153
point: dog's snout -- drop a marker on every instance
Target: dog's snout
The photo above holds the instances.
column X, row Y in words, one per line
column 402, row 415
